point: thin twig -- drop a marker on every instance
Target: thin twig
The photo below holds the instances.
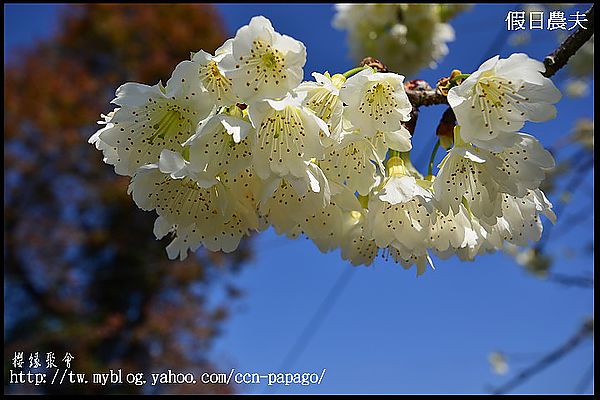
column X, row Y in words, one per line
column 426, row 97
column 585, row 282
column 559, row 57
column 584, row 383
column 583, row 333
column 578, row 179
column 311, row 328
column 553, row 62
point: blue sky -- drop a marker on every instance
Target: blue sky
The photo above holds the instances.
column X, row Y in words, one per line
column 389, row 331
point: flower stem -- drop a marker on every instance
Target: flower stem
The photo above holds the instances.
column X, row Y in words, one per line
column 459, row 76
column 363, row 200
column 393, row 153
column 432, row 158
column 353, row 71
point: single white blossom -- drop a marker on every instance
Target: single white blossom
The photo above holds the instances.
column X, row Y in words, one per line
column 263, row 63
column 221, row 144
column 376, row 101
column 400, row 213
column 286, row 203
column 355, row 247
column 324, row 226
column 471, row 175
column 287, row 136
column 212, row 76
column 520, row 222
column 323, row 98
column 152, row 118
column 499, row 97
column 451, row 232
column 525, row 164
column 354, row 162
column 210, row 216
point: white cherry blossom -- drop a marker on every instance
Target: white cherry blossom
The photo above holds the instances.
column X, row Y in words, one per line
column 451, row 232
column 526, row 164
column 471, row 174
column 520, row 222
column 263, row 63
column 212, row 76
column 323, row 98
column 285, row 203
column 355, row 247
column 400, row 213
column 376, row 101
column 152, row 118
column 221, row 144
column 353, row 162
column 287, row 135
column 500, row 96
column 208, row 216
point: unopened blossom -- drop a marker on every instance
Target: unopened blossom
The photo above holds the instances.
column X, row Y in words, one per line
column 323, row 98
column 152, row 118
column 287, row 136
column 376, row 101
column 499, row 97
column 263, row 63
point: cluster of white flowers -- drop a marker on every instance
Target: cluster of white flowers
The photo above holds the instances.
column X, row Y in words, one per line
column 407, row 36
column 236, row 142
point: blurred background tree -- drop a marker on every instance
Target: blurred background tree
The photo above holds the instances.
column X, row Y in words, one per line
column 83, row 271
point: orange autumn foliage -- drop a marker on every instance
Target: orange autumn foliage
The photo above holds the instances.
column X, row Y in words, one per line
column 83, row 271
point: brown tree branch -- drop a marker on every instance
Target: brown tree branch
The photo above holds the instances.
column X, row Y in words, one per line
column 420, row 97
column 559, row 57
column 425, row 95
